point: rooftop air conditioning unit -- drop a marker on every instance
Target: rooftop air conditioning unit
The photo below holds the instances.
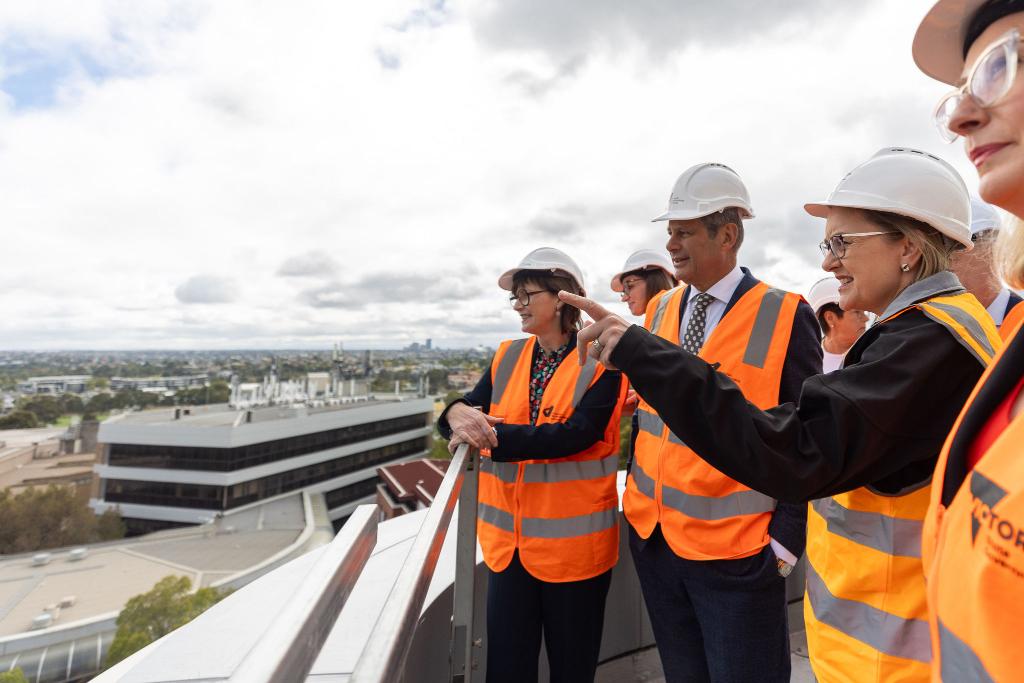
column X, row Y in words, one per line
column 67, row 601
column 39, row 559
column 77, row 554
column 42, row 621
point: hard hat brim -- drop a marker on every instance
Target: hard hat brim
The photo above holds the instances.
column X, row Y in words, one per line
column 690, row 215
column 505, row 281
column 617, row 279
column 938, row 43
column 821, row 209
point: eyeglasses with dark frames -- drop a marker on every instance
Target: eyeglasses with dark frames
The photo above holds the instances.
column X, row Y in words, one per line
column 523, row 297
column 837, row 244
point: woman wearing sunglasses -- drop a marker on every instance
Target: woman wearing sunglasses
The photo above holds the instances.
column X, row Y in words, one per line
column 862, row 442
column 548, row 513
column 645, row 274
column 973, row 544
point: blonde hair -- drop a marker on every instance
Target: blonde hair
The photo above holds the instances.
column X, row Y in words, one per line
column 1009, row 253
column 936, row 249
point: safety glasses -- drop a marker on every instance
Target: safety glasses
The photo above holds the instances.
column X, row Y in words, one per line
column 989, row 80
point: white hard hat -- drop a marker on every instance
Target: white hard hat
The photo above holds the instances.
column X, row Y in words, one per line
column 824, row 291
column 544, row 258
column 983, row 217
column 645, row 259
column 910, row 183
column 939, row 42
column 704, row 189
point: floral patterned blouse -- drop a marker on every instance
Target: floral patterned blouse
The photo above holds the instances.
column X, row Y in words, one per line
column 544, row 366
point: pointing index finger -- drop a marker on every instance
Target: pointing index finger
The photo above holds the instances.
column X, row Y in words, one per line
column 595, row 310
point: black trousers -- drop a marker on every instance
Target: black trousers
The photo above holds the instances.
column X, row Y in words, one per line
column 520, row 608
column 720, row 621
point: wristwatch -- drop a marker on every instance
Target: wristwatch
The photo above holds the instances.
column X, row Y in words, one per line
column 785, row 568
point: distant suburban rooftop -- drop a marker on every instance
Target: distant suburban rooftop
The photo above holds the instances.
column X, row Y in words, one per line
column 111, row 573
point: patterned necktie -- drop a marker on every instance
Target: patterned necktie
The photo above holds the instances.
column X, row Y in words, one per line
column 693, row 339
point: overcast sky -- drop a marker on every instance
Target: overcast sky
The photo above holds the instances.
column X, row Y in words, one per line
column 231, row 174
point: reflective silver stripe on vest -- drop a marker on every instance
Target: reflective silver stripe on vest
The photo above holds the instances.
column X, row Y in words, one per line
column 885, row 632
column 643, row 481
column 890, row 535
column 709, row 508
column 969, row 323
column 764, row 328
column 497, row 517
column 659, row 311
column 505, row 471
column 575, row 470
column 583, row 381
column 567, row 527
column 652, row 424
column 958, row 661
column 505, row 368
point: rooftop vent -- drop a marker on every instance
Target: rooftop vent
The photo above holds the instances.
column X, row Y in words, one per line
column 67, row 601
column 39, row 559
column 42, row 621
column 77, row 554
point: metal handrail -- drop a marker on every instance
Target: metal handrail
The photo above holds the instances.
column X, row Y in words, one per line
column 383, row 658
column 287, row 650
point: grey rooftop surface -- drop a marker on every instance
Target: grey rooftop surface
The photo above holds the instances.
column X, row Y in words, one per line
column 111, row 573
column 222, row 415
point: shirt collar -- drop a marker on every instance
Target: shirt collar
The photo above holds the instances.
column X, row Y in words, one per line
column 943, row 282
column 997, row 309
column 724, row 288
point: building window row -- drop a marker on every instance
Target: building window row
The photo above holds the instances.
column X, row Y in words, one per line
column 347, row 494
column 241, row 457
column 211, row 497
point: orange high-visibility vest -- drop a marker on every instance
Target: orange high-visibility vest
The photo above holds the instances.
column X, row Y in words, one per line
column 864, row 607
column 1014, row 317
column 973, row 550
column 561, row 514
column 705, row 515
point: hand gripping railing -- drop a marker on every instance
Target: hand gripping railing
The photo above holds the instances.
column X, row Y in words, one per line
column 383, row 658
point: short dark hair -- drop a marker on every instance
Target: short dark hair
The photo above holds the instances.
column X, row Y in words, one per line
column 712, row 222
column 552, row 282
column 828, row 308
column 654, row 278
column 988, row 14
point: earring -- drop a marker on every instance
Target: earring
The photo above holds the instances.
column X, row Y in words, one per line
column 905, row 268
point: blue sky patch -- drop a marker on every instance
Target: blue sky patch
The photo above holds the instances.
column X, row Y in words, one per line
column 32, row 77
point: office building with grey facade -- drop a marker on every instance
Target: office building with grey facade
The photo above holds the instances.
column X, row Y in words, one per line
column 179, row 466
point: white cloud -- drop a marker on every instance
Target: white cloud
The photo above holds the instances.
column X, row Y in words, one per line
column 401, row 156
column 206, row 289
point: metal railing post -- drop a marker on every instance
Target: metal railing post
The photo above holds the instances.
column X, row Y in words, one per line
column 461, row 654
column 383, row 658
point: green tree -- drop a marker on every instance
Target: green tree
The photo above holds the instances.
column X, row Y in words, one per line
column 47, row 409
column 19, row 419
column 15, row 676
column 71, row 404
column 54, row 517
column 150, row 616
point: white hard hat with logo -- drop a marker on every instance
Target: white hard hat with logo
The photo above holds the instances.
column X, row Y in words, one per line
column 910, row 183
column 547, row 259
column 939, row 42
column 645, row 259
column 704, row 189
column 824, row 291
column 983, row 217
